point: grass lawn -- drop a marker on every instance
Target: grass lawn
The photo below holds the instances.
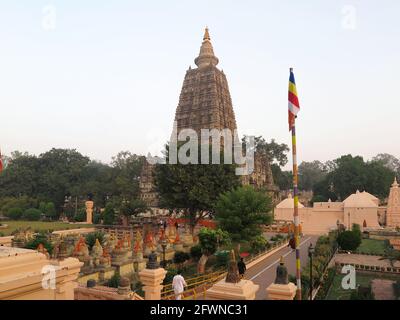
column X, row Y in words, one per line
column 372, row 246
column 336, row 292
column 38, row 226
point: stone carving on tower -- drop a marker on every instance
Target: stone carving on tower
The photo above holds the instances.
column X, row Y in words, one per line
column 393, row 208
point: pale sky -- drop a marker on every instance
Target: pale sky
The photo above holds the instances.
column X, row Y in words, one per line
column 105, row 76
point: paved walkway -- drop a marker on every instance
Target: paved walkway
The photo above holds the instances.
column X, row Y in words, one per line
column 264, row 272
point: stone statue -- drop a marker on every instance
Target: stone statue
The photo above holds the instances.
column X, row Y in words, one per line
column 43, row 250
column 281, row 273
column 233, row 272
column 152, row 263
column 97, row 253
column 89, row 211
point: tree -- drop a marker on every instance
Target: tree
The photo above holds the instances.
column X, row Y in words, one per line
column 209, row 241
column 14, row 213
column 348, row 174
column 40, row 238
column 275, row 152
column 90, row 238
column 311, row 173
column 31, row 214
column 242, row 212
column 193, row 189
column 388, row 161
column 50, row 210
column 283, row 179
column 109, row 214
column 349, row 240
column 131, row 208
column 180, row 257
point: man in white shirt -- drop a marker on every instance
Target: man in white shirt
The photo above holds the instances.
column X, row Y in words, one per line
column 178, row 284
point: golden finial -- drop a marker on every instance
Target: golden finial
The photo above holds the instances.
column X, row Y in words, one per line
column 206, row 35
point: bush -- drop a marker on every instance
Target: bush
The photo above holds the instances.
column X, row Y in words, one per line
column 195, row 252
column 223, row 258
column 114, row 281
column 40, row 238
column 349, row 240
column 171, row 273
column 97, row 218
column 31, row 214
column 50, row 210
column 180, row 257
column 80, row 216
column 91, row 238
column 258, row 244
column 14, row 213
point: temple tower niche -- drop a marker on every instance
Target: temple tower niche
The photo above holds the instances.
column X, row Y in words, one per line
column 393, row 208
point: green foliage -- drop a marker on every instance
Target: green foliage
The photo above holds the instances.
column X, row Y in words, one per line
column 348, row 174
column 195, row 252
column 171, row 273
column 31, row 214
column 223, row 258
column 193, row 188
column 97, row 218
column 349, row 240
column 180, row 257
column 109, row 214
column 362, row 293
column 80, row 216
column 242, row 212
column 258, row 244
column 210, row 240
column 50, row 210
column 40, row 238
column 22, row 202
column 132, row 207
column 113, row 282
column 310, row 173
column 91, row 238
column 61, row 173
column 14, row 213
column 274, row 151
column 283, row 179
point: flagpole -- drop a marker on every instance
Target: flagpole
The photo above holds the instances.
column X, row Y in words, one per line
column 296, row 209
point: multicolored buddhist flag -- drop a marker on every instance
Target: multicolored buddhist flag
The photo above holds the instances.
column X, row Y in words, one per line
column 294, row 106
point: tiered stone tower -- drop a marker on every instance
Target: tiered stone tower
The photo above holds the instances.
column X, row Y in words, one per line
column 393, row 208
column 205, row 101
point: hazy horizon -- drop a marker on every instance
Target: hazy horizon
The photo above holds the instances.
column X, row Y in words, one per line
column 104, row 77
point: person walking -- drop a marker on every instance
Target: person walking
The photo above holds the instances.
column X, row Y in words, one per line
column 241, row 267
column 178, row 284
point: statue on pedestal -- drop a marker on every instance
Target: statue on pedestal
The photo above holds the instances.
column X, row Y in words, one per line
column 82, row 253
column 89, row 210
column 281, row 273
column 152, row 263
column 97, row 253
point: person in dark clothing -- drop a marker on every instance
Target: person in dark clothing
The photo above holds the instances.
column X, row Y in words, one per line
column 165, row 224
column 241, row 267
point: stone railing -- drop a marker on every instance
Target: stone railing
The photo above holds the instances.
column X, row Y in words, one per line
column 370, row 268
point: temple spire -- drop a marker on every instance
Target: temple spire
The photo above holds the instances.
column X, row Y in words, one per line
column 206, row 56
column 206, row 35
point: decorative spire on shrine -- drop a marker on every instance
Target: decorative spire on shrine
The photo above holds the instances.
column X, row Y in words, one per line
column 206, row 56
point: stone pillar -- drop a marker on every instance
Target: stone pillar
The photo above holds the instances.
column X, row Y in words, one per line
column 89, row 211
column 222, row 290
column 152, row 279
